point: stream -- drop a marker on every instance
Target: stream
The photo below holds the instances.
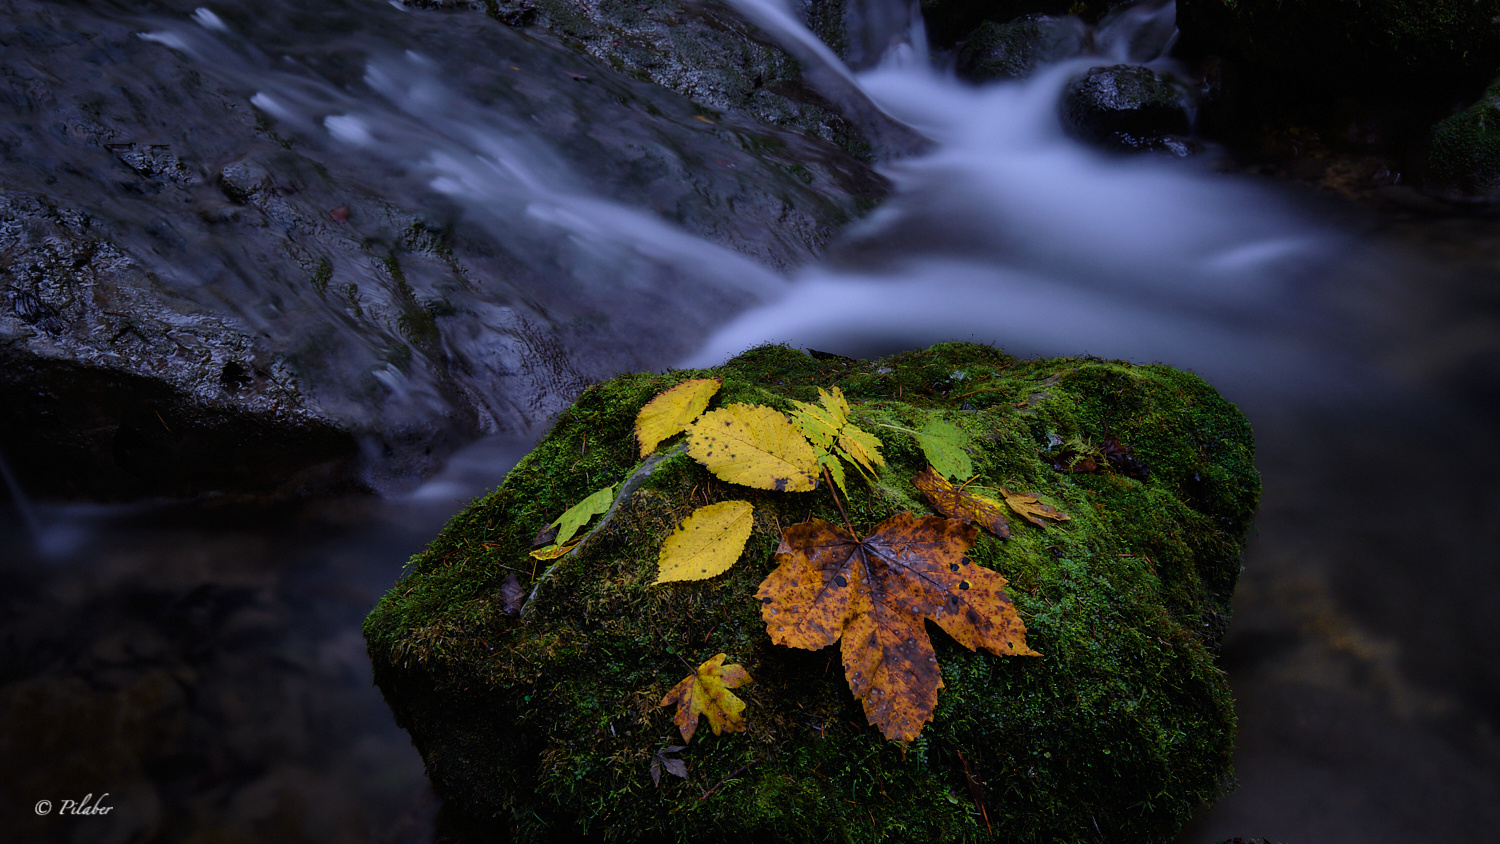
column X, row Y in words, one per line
column 202, row 664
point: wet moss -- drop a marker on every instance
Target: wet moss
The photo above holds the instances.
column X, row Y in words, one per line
column 547, row 724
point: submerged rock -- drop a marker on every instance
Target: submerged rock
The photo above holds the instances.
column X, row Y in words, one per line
column 547, row 725
column 1013, row 50
column 1128, row 108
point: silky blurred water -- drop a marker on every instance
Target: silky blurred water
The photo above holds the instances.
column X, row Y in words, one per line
column 203, row 663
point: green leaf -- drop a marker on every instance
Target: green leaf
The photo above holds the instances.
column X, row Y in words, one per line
column 579, row 514
column 943, row 442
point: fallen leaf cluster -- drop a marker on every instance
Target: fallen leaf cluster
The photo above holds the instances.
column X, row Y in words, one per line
column 872, row 595
column 1078, row 458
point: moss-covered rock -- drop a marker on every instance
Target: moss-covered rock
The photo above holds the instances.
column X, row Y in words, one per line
column 547, row 724
column 1465, row 150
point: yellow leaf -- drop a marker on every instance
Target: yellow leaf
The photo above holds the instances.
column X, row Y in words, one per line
column 672, row 410
column 827, row 425
column 707, row 544
column 706, row 692
column 1031, row 508
column 552, row 552
column 754, row 446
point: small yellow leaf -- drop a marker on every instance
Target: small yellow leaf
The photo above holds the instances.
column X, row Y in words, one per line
column 706, row 692
column 707, row 544
column 552, row 552
column 1031, row 508
column 672, row 410
column 754, row 446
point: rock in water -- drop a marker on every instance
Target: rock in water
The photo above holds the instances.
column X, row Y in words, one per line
column 1014, row 50
column 546, row 725
column 1128, row 108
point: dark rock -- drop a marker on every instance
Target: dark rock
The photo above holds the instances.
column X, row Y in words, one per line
column 1128, row 108
column 1013, row 50
column 949, row 21
column 196, row 297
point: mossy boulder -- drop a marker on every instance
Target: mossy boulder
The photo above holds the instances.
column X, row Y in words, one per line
column 950, row 21
column 1465, row 150
column 546, row 723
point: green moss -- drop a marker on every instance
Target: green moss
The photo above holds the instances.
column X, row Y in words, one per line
column 1465, row 149
column 547, row 724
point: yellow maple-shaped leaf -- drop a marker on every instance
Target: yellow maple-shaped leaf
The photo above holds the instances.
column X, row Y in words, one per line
column 755, row 446
column 706, row 692
column 707, row 544
column 672, row 410
column 1031, row 508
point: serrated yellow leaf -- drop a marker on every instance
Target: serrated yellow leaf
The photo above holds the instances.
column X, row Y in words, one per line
column 672, row 410
column 819, row 424
column 707, row 543
column 835, row 470
column 755, row 446
column 827, row 425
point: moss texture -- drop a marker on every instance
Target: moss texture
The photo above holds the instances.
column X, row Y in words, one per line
column 1465, row 149
column 547, row 724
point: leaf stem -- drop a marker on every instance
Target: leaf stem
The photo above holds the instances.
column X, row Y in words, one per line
column 828, row 478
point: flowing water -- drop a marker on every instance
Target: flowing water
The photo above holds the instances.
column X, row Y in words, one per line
column 202, row 663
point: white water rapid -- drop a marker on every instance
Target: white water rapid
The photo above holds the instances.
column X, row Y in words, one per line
column 1007, row 231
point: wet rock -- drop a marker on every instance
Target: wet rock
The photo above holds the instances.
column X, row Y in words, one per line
column 1128, row 108
column 546, row 725
column 197, row 295
column 1465, row 149
column 1013, row 50
column 950, row 21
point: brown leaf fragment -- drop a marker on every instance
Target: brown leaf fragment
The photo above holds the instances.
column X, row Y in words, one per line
column 1031, row 508
column 662, row 761
column 546, row 536
column 512, row 596
column 706, row 692
column 1122, row 460
column 960, row 504
column 874, row 594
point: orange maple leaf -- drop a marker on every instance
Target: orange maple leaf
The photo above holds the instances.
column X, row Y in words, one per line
column 874, row 594
column 956, row 503
column 706, row 692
